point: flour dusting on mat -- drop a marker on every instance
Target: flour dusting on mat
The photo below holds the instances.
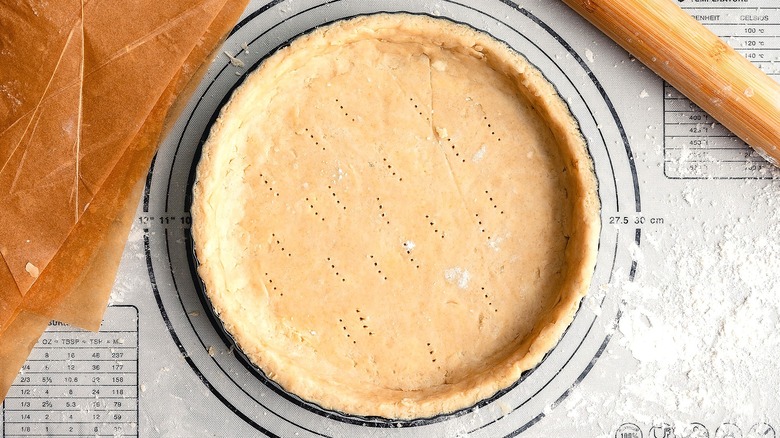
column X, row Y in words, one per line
column 703, row 326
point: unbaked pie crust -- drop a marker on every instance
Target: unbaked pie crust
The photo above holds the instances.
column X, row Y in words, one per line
column 395, row 216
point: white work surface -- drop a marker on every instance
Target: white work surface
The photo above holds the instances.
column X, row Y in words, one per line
column 678, row 336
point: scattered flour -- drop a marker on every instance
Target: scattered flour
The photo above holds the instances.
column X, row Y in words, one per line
column 479, row 154
column 701, row 323
column 589, row 55
column 459, row 276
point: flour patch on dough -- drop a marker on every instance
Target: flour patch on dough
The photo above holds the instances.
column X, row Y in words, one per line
column 479, row 154
column 458, row 276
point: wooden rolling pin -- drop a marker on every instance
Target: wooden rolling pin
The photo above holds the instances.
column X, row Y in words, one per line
column 697, row 63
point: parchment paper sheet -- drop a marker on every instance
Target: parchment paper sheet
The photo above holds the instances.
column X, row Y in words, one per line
column 111, row 63
column 72, row 256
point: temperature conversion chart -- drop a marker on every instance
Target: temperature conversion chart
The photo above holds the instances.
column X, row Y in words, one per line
column 695, row 145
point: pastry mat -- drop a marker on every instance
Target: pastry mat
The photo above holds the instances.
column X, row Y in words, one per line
column 687, row 263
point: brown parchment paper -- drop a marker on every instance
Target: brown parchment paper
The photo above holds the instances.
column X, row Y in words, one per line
column 90, row 280
column 85, row 304
column 24, row 102
column 113, row 61
column 82, row 301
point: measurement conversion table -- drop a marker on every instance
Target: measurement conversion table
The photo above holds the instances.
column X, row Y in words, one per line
column 78, row 383
column 695, row 145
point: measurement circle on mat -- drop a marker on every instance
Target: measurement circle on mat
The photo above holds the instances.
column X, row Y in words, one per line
column 243, row 389
column 635, row 220
column 696, row 146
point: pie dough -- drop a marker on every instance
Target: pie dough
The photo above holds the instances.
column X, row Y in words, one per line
column 395, row 216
